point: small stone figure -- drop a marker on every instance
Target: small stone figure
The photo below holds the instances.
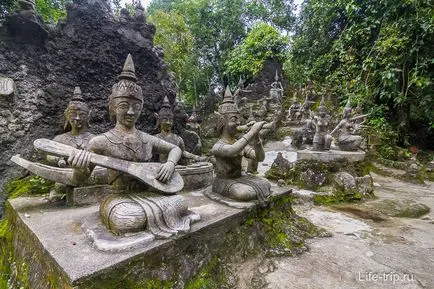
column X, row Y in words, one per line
column 322, row 139
column 165, row 120
column 192, row 123
column 239, row 91
column 294, row 110
column 191, row 139
column 132, row 206
column 346, row 129
column 228, row 153
column 276, row 91
column 305, row 112
column 77, row 117
column 303, row 135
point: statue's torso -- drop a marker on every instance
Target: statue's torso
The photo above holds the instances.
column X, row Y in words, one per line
column 77, row 141
column 228, row 166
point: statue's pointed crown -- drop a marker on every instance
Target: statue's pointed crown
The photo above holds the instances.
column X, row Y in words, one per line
column 126, row 86
column 228, row 104
column 77, row 96
column 276, row 77
column 166, row 108
column 128, row 71
column 348, row 104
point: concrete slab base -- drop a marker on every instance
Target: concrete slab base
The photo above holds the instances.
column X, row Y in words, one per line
column 331, row 155
column 52, row 239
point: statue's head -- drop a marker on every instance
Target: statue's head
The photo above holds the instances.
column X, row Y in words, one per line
column 126, row 99
column 322, row 109
column 229, row 115
column 165, row 116
column 77, row 111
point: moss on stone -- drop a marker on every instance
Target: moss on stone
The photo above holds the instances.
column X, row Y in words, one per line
column 337, row 198
column 31, row 185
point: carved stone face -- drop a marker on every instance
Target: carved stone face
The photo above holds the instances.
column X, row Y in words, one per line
column 166, row 123
column 127, row 111
column 232, row 121
column 78, row 116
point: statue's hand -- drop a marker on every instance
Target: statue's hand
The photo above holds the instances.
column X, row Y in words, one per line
column 165, row 172
column 79, row 159
column 257, row 127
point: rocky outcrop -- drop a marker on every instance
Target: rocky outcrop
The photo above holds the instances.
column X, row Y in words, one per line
column 87, row 49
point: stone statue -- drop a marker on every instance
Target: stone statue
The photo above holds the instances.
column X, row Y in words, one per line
column 276, row 91
column 192, row 123
column 303, row 135
column 165, row 121
column 191, row 139
column 322, row 139
column 77, row 118
column 131, row 206
column 228, row 153
column 139, row 12
column 240, row 89
column 294, row 109
column 346, row 129
column 305, row 112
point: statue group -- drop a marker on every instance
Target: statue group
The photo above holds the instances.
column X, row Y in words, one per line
column 141, row 194
column 315, row 128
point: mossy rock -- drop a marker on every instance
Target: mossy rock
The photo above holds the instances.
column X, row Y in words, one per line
column 31, row 185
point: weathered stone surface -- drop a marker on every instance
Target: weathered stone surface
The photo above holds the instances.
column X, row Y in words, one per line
column 70, row 260
column 7, row 86
column 87, row 49
column 344, row 182
column 330, row 156
column 313, row 178
column 365, row 185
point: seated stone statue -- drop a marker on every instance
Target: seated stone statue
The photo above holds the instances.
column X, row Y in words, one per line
column 239, row 91
column 77, row 118
column 191, row 139
column 303, row 135
column 276, row 91
column 131, row 206
column 346, row 129
column 294, row 110
column 192, row 122
column 322, row 139
column 165, row 121
column 305, row 112
column 229, row 152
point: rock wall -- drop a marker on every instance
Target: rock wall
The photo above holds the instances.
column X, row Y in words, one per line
column 87, row 49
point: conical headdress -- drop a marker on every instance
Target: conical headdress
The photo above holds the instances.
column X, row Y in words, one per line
column 77, row 100
column 276, row 77
column 166, row 109
column 228, row 104
column 126, row 86
column 347, row 108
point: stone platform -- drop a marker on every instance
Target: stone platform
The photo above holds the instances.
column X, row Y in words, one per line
column 331, row 155
column 51, row 241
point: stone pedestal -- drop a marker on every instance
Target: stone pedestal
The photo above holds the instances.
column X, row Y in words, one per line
column 50, row 242
column 331, row 156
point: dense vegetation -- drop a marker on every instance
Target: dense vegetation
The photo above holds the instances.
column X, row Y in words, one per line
column 378, row 52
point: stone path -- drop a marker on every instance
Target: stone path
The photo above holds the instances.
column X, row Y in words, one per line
column 396, row 253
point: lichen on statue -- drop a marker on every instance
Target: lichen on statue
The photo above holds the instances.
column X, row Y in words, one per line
column 132, row 206
column 229, row 152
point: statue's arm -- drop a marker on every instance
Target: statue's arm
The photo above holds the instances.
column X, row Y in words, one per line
column 58, row 161
column 160, row 146
column 337, row 127
column 82, row 168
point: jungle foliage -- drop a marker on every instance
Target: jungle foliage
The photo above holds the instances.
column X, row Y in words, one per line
column 378, row 52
